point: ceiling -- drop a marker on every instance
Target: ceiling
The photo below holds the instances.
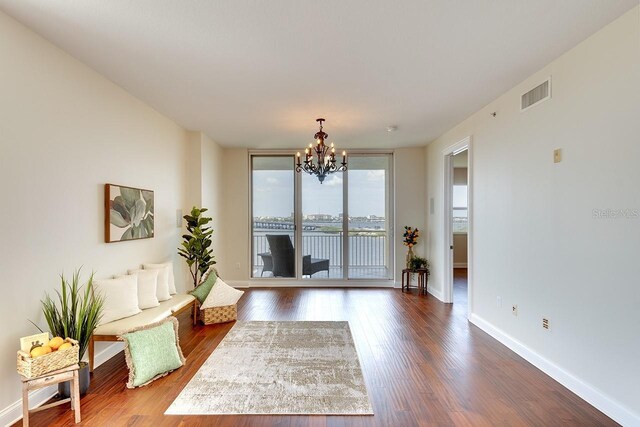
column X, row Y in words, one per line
column 258, row 73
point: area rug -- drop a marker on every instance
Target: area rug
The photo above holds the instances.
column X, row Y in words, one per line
column 286, row 368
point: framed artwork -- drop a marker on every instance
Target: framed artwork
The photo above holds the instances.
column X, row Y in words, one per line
column 128, row 213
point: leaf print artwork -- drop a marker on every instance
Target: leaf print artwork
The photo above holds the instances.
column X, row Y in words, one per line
column 130, row 213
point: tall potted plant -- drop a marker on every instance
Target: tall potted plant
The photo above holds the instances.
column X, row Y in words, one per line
column 196, row 246
column 75, row 313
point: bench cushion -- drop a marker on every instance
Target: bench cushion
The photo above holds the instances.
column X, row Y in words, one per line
column 145, row 317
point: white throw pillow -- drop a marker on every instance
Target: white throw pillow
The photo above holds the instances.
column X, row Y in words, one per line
column 172, row 279
column 221, row 295
column 162, row 289
column 120, row 297
column 147, row 288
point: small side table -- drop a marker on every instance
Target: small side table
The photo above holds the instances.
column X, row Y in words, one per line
column 69, row 373
column 423, row 274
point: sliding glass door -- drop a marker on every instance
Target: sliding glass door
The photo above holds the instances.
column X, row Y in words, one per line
column 340, row 229
column 369, row 217
column 322, row 227
column 273, row 226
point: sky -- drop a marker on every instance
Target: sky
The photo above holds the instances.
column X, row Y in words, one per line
column 273, row 193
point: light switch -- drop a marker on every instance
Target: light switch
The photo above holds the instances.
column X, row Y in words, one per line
column 557, row 155
column 432, row 206
column 179, row 218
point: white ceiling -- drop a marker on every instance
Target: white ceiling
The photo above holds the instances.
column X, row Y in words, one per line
column 258, row 73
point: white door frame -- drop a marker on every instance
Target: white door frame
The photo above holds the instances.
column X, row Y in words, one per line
column 447, row 155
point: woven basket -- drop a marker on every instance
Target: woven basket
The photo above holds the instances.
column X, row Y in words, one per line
column 32, row 367
column 227, row 313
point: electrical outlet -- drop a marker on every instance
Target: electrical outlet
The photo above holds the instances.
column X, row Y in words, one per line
column 499, row 302
column 545, row 323
column 237, row 266
column 514, row 309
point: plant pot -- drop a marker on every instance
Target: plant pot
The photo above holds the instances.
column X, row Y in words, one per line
column 64, row 389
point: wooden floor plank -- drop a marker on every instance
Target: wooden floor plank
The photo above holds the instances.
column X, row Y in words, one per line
column 423, row 363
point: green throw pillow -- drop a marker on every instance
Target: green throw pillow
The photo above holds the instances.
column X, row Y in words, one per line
column 203, row 289
column 152, row 351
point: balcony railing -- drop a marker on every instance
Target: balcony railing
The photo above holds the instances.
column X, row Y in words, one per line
column 364, row 250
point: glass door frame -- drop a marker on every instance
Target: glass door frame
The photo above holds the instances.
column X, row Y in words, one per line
column 296, row 224
column 297, row 186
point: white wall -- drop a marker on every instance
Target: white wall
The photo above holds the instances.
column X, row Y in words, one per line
column 410, row 206
column 205, row 187
column 65, row 131
column 536, row 241
column 212, row 193
column 234, row 260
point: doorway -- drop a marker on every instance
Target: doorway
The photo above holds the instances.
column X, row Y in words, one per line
column 460, row 225
column 457, row 219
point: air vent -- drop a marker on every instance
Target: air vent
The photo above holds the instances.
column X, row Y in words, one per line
column 540, row 93
column 545, row 323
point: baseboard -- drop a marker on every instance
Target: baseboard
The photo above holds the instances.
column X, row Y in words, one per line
column 590, row 394
column 237, row 283
column 107, row 353
column 435, row 292
column 13, row 412
column 307, row 283
column 459, row 265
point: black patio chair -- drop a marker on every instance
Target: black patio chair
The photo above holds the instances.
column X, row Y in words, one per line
column 280, row 259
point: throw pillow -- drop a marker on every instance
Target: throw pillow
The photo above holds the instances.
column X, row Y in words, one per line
column 120, row 297
column 162, row 290
column 203, row 289
column 222, row 295
column 147, row 288
column 172, row 278
column 152, row 351
column 210, row 270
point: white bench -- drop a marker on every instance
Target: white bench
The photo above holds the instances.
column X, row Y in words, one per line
column 110, row 331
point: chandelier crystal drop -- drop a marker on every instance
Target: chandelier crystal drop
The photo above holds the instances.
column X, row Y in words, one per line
column 325, row 162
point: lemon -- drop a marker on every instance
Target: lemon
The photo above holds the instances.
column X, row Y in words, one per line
column 55, row 343
column 65, row 346
column 38, row 351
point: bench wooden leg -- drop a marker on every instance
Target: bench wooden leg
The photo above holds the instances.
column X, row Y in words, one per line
column 195, row 314
column 91, row 353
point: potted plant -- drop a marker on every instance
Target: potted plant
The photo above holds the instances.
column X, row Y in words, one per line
column 196, row 246
column 417, row 263
column 75, row 313
column 410, row 239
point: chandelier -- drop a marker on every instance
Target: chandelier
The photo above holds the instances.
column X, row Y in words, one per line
column 325, row 163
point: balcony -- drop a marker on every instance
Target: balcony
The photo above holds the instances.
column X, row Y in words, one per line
column 369, row 254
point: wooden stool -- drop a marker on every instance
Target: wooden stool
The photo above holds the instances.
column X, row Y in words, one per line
column 69, row 373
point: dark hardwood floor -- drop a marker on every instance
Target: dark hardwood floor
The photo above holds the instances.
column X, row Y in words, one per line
column 423, row 363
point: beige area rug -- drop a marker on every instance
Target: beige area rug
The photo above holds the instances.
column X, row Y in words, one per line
column 287, row 368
